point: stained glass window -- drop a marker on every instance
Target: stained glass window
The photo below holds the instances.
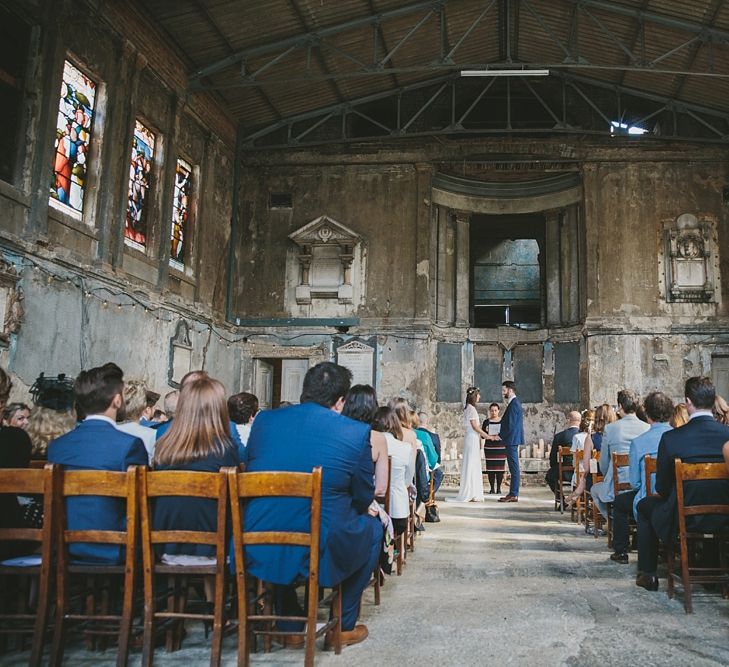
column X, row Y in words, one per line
column 180, row 214
column 140, row 175
column 73, row 137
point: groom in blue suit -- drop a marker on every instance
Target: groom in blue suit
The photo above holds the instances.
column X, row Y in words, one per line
column 297, row 439
column 512, row 435
column 96, row 444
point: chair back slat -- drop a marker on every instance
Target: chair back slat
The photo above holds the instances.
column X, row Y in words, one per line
column 702, row 471
column 183, row 483
column 275, row 484
column 107, row 483
column 276, row 537
column 95, row 536
column 697, row 472
column 23, row 481
column 183, row 537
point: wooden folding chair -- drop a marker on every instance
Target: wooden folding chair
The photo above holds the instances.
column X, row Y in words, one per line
column 565, row 466
column 249, row 485
column 593, row 518
column 692, row 574
column 121, row 485
column 619, row 461
column 24, row 481
column 182, row 484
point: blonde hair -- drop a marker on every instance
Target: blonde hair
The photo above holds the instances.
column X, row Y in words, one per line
column 604, row 415
column 721, row 410
column 201, row 426
column 402, row 409
column 680, row 415
column 135, row 399
column 46, row 424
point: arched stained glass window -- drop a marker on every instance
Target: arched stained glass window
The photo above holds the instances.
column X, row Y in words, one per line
column 73, row 138
column 140, row 179
column 181, row 215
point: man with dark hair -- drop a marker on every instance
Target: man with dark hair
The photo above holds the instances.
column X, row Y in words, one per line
column 658, row 409
column 700, row 440
column 243, row 409
column 616, row 440
column 512, row 435
column 96, row 444
column 299, row 438
column 561, row 439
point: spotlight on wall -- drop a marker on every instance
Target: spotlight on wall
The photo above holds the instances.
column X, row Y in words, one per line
column 504, row 72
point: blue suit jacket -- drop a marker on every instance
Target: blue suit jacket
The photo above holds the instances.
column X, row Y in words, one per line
column 700, row 440
column 97, row 445
column 298, row 438
column 512, row 424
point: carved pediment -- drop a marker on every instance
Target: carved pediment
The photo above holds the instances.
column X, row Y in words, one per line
column 322, row 231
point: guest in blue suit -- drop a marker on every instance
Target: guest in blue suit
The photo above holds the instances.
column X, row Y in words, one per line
column 298, row 438
column 96, row 444
column 512, row 435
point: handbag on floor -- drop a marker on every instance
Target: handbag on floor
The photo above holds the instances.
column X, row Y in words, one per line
column 431, row 513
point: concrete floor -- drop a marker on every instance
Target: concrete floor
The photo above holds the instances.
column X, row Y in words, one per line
column 514, row 584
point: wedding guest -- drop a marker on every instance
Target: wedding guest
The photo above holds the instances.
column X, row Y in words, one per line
column 720, row 411
column 616, row 440
column 199, row 439
column 14, row 453
column 658, row 409
column 16, row 414
column 361, row 405
column 561, row 439
column 135, row 402
column 96, row 444
column 298, row 438
column 680, row 415
column 402, row 469
column 437, row 472
column 243, row 409
column 701, row 439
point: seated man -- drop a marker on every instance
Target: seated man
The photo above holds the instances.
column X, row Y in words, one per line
column 435, row 440
column 700, row 440
column 243, row 409
column 562, row 439
column 298, row 439
column 96, row 444
column 616, row 440
column 658, row 409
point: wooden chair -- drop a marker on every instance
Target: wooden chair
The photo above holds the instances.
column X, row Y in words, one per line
column 565, row 465
column 377, row 575
column 121, row 485
column 650, row 469
column 619, row 461
column 182, row 484
column 593, row 518
column 38, row 481
column 249, row 485
column 577, row 511
column 692, row 574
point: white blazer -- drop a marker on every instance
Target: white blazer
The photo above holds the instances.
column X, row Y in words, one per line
column 401, row 475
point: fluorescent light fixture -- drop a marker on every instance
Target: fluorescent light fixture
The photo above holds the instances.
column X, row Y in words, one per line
column 504, row 72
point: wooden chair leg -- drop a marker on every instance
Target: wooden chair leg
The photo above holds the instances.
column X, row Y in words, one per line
column 125, row 626
column 686, row 580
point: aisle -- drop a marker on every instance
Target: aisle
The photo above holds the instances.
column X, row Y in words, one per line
column 519, row 584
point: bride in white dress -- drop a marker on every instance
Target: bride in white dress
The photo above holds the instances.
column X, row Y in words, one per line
column 471, row 474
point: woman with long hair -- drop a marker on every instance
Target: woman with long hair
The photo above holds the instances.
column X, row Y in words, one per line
column 471, row 488
column 387, row 423
column 198, row 440
column 360, row 404
column 16, row 414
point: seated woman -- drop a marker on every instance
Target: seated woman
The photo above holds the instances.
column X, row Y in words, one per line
column 592, row 442
column 403, row 466
column 198, row 440
column 361, row 404
column 16, row 414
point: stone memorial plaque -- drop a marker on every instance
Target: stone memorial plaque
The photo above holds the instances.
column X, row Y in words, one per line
column 358, row 358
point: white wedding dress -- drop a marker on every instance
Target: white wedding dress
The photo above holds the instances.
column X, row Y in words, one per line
column 471, row 474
